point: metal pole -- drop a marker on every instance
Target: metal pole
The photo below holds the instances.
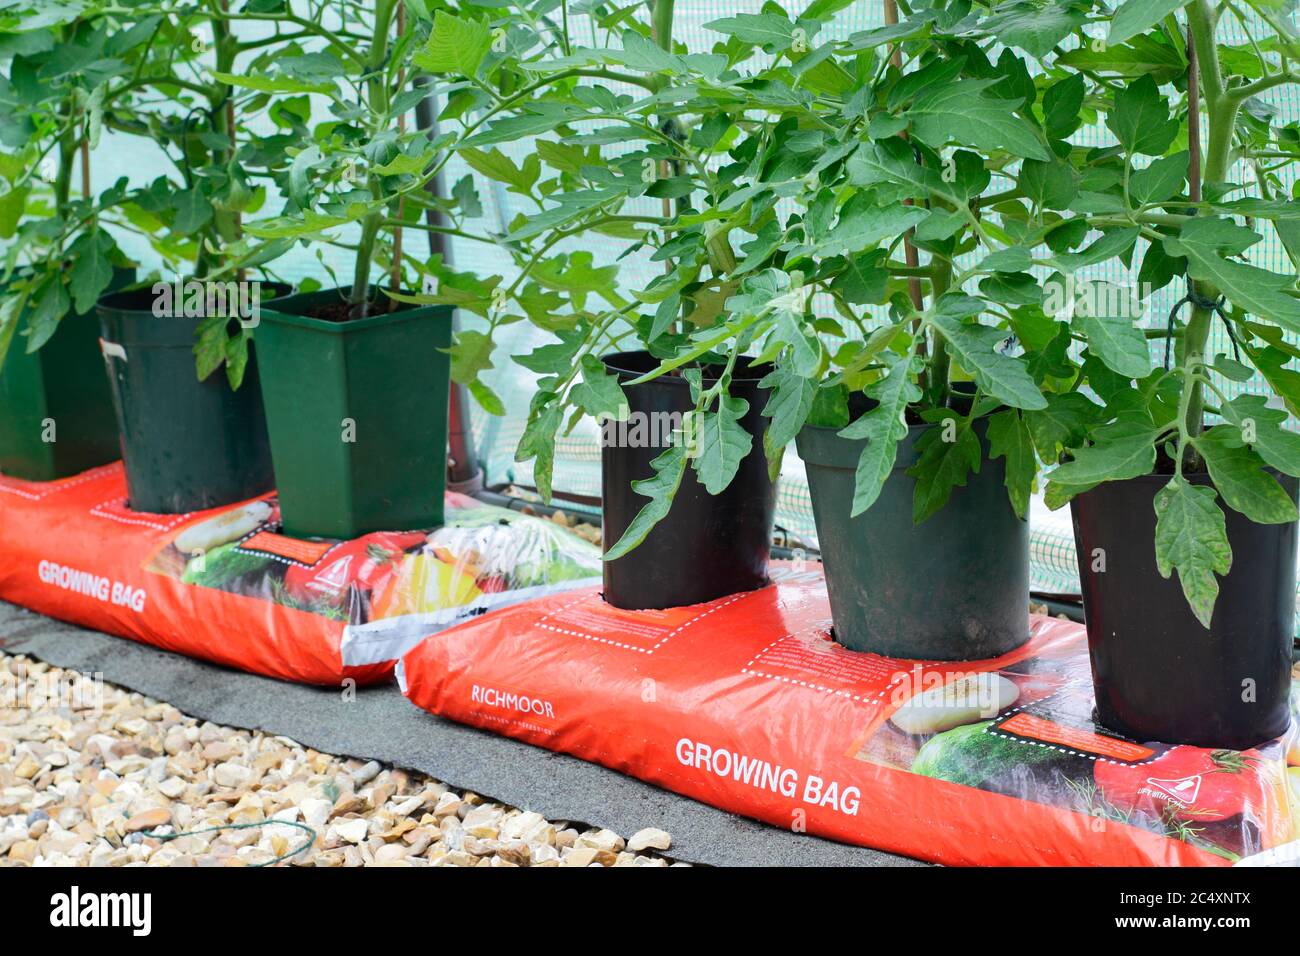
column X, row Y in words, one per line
column 463, row 471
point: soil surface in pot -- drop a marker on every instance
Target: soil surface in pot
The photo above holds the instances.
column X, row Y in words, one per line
column 341, row 310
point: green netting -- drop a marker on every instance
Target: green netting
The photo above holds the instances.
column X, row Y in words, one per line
column 577, row 459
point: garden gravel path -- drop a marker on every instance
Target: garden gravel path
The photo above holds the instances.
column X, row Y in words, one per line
column 376, row 804
column 93, row 775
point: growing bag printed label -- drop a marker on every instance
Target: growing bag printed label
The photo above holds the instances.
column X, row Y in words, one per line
column 746, row 703
column 226, row 586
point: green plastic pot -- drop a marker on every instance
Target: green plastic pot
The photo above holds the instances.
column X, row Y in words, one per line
column 954, row 587
column 188, row 445
column 357, row 411
column 59, row 391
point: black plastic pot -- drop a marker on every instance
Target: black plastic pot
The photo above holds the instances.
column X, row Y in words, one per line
column 187, row 445
column 954, row 587
column 1159, row 675
column 62, row 384
column 708, row 545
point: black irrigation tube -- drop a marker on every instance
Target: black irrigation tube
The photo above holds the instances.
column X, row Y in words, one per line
column 1055, row 603
column 1067, row 604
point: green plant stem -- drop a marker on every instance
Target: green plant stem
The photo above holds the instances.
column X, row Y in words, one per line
column 224, row 223
column 939, row 362
column 63, row 175
column 661, row 20
column 1221, row 111
column 377, row 95
column 661, row 23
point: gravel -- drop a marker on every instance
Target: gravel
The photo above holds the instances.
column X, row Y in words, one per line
column 94, row 775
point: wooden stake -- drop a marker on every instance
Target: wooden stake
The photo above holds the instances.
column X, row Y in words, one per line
column 85, row 169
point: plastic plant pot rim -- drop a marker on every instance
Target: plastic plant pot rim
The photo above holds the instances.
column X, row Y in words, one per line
column 623, row 364
column 281, row 312
column 822, row 446
column 131, row 312
column 123, row 301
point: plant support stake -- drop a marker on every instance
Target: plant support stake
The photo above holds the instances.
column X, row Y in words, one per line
column 463, row 472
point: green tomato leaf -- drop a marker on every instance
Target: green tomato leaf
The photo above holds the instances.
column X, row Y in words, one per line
column 1114, row 339
column 487, row 399
column 49, row 305
column 471, row 353
column 892, row 161
column 660, row 488
column 1120, row 450
column 12, row 204
column 723, row 443
column 1062, row 104
column 1062, row 424
column 456, row 45
column 789, row 400
column 599, row 394
column 1048, row 185
column 1005, row 378
column 495, row 164
column 883, row 427
column 1033, row 27
column 1192, row 539
column 964, row 113
column 770, row 30
column 1140, row 119
column 1262, row 428
column 862, row 224
column 1135, row 16
column 193, row 211
column 91, row 270
column 538, row 443
column 1206, row 243
column 236, row 357
column 1239, row 475
column 272, row 84
column 1009, row 438
column 947, row 453
column 1162, row 180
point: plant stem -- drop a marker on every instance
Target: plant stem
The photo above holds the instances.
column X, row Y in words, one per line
column 63, row 175
column 1221, row 111
column 661, row 25
column 939, row 362
column 377, row 94
column 661, row 21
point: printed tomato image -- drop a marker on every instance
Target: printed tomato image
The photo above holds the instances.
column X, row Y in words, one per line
column 367, row 564
column 1192, row 785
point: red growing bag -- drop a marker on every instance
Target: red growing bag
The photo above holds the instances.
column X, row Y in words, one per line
column 746, row 704
column 225, row 586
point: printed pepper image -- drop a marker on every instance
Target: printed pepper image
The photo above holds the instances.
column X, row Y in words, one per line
column 426, row 582
column 1293, row 798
